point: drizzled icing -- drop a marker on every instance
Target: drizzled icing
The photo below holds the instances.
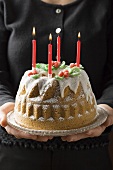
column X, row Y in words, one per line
column 73, row 83
column 44, row 83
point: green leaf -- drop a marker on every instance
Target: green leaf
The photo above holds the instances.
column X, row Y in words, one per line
column 81, row 67
column 75, row 74
column 63, row 64
column 59, row 78
column 38, row 65
column 46, row 67
column 36, row 76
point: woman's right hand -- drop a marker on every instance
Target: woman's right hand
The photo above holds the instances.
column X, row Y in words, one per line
column 4, row 110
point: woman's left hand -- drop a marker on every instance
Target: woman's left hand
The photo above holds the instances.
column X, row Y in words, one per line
column 93, row 132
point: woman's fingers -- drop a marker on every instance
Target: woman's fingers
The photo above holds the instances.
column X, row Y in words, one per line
column 7, row 107
column 4, row 110
column 91, row 133
column 3, row 119
column 20, row 134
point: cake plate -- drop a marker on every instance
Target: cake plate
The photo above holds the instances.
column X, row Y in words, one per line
column 100, row 119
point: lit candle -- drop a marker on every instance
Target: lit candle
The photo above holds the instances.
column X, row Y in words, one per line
column 33, row 49
column 58, row 30
column 50, row 57
column 78, row 50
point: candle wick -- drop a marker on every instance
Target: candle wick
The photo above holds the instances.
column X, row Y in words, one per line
column 78, row 38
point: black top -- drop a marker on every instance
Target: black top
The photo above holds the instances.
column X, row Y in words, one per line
column 94, row 19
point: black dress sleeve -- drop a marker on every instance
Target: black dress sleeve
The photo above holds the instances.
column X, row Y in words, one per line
column 5, row 84
column 107, row 95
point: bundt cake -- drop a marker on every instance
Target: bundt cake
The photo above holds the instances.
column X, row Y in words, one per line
column 61, row 102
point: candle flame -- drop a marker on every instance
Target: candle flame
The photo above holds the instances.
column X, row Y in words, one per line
column 34, row 32
column 50, row 37
column 79, row 35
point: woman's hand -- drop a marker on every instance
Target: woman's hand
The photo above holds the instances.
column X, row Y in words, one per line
column 93, row 132
column 4, row 110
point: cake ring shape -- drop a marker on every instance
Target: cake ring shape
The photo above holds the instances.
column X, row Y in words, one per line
column 101, row 118
column 62, row 102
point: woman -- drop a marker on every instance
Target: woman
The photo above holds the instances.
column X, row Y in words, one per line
column 94, row 19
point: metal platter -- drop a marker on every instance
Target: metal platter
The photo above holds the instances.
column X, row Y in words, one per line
column 100, row 119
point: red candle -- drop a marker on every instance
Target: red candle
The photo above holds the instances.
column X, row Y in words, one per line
column 33, row 49
column 50, row 57
column 78, row 50
column 58, row 48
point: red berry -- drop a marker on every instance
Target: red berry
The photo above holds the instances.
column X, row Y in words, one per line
column 30, row 73
column 56, row 64
column 53, row 63
column 66, row 74
column 34, row 72
column 75, row 64
column 61, row 74
column 72, row 65
column 66, row 71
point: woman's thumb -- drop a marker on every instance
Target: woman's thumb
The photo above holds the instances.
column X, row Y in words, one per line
column 4, row 110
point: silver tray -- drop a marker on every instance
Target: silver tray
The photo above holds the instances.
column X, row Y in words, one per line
column 100, row 119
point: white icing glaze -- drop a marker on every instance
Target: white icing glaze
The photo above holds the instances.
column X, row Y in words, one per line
column 44, row 83
column 73, row 83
